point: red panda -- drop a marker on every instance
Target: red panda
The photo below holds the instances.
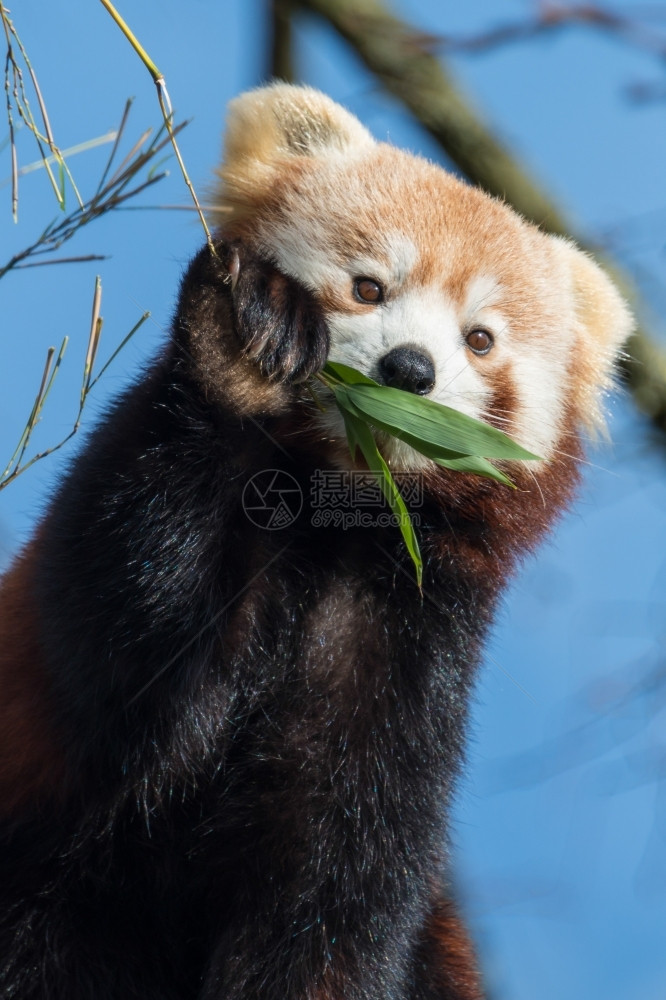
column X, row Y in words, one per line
column 227, row 753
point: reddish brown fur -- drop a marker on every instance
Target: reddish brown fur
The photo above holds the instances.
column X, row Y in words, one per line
column 333, row 986
column 513, row 522
column 501, row 410
column 445, row 959
column 31, row 764
column 448, row 957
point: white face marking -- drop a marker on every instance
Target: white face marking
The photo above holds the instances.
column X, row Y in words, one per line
column 482, row 293
column 402, row 256
column 538, row 365
column 302, row 252
column 541, row 379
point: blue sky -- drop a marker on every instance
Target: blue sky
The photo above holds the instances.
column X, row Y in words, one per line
column 561, row 820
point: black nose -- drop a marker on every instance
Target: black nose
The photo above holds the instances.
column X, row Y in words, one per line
column 405, row 368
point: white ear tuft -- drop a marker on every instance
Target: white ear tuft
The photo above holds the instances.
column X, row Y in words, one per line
column 604, row 324
column 285, row 120
column 271, row 127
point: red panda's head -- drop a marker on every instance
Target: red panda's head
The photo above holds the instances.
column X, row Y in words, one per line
column 424, row 281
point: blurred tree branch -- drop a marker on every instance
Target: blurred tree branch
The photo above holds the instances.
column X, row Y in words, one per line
column 282, row 67
column 557, row 16
column 402, row 59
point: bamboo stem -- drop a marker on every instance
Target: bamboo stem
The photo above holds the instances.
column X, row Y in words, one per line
column 165, row 107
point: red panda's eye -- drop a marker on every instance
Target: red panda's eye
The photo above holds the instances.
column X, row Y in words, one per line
column 368, row 290
column 479, row 341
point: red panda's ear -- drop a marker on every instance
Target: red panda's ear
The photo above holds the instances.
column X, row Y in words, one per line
column 603, row 324
column 271, row 127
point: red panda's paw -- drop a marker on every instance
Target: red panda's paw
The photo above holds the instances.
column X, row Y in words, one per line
column 278, row 321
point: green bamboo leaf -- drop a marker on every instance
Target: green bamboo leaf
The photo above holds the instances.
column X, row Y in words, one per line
column 360, row 436
column 343, row 399
column 477, row 465
column 351, row 422
column 347, row 375
column 446, row 457
column 400, row 412
column 446, row 436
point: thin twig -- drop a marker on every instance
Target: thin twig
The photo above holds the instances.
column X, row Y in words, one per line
column 80, row 147
column 20, row 99
column 165, row 107
column 16, row 465
column 109, row 196
column 119, row 134
column 84, row 259
column 43, row 137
